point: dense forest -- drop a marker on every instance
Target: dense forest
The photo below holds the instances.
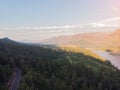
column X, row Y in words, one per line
column 50, row 69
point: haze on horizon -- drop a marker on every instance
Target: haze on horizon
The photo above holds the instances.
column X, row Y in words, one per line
column 28, row 20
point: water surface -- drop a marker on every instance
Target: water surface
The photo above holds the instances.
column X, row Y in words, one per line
column 115, row 60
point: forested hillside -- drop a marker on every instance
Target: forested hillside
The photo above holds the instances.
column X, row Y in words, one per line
column 47, row 69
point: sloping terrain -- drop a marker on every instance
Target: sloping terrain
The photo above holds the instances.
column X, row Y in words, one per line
column 113, row 38
column 96, row 39
column 47, row 69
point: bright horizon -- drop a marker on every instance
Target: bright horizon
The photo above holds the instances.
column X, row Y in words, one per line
column 28, row 20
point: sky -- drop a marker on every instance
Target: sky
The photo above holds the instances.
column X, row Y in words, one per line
column 27, row 20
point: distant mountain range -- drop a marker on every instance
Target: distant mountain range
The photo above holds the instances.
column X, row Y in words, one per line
column 96, row 39
column 87, row 40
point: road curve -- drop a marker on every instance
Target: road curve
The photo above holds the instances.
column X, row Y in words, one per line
column 16, row 79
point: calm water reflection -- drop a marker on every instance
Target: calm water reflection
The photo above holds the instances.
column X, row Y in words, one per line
column 115, row 60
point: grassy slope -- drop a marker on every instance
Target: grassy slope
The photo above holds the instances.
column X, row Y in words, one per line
column 76, row 54
column 77, row 49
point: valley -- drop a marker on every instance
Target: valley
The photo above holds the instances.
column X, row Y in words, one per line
column 62, row 68
column 59, row 44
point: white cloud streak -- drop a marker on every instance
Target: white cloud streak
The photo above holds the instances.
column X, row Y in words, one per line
column 115, row 19
column 39, row 33
column 112, row 22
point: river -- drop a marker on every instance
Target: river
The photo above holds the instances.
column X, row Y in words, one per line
column 115, row 60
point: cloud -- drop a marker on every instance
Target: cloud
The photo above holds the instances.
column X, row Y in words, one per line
column 1, row 35
column 114, row 8
column 53, row 27
column 111, row 22
column 40, row 33
column 101, row 25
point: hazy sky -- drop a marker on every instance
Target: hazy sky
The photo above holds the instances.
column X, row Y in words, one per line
column 40, row 19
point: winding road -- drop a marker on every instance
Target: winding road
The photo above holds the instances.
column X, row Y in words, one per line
column 16, row 79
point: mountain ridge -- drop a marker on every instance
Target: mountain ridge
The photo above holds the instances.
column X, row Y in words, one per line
column 95, row 39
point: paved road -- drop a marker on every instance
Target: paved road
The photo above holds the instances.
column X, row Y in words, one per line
column 16, row 79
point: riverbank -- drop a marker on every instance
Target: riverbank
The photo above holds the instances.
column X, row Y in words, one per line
column 114, row 59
